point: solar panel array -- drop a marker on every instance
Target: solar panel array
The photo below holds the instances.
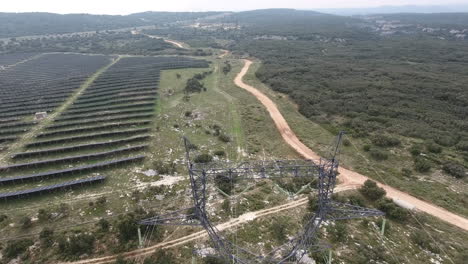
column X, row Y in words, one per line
column 109, row 121
column 39, row 84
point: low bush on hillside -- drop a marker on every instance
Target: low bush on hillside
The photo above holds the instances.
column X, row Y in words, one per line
column 203, row 158
column 385, row 141
column 76, row 244
column 17, row 247
column 455, row 169
column 378, row 154
column 371, row 191
column 422, row 165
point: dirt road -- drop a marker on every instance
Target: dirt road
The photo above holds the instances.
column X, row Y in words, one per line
column 170, row 41
column 348, row 177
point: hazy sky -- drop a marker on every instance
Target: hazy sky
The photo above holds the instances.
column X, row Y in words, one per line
column 133, row 6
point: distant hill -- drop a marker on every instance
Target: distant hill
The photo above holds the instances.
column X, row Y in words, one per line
column 291, row 22
column 395, row 9
column 434, row 20
column 25, row 24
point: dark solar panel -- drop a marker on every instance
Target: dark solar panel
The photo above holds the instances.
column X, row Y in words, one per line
column 50, row 188
column 38, row 176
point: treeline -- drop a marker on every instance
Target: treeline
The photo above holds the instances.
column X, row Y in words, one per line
column 104, row 42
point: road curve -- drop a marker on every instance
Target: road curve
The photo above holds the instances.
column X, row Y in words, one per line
column 348, row 177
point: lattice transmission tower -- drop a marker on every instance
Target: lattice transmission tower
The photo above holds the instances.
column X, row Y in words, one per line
column 306, row 241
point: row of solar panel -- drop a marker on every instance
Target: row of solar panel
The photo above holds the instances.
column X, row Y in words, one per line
column 80, row 169
column 93, row 128
column 91, row 136
column 51, row 188
column 31, row 154
column 41, row 163
column 108, row 108
column 100, row 120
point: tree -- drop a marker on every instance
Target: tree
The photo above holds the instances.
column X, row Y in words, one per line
column 194, row 86
column 371, row 191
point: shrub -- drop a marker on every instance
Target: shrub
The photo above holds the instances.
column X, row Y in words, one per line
column 346, row 142
column 356, row 199
column 312, row 204
column 371, row 191
column 188, row 113
column 422, row 165
column 433, row 148
column 463, row 146
column 46, row 237
column 126, row 227
column 378, row 155
column 163, row 167
column 455, row 169
column 43, row 215
column 17, row 247
column 415, row 151
column 101, row 200
column 406, row 172
column 423, row 240
column 220, row 153
column 203, row 158
column 224, row 138
column 25, row 222
column 103, row 225
column 385, row 141
column 214, row 260
column 278, row 230
column 3, row 218
column 77, row 244
column 224, row 183
column 366, row 148
column 392, row 210
column 226, row 206
column 339, row 232
column 161, row 257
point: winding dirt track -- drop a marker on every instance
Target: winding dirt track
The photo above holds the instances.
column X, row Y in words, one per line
column 348, row 177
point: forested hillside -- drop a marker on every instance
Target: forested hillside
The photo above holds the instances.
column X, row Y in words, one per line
column 25, row 24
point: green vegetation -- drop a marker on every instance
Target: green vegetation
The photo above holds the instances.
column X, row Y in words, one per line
column 372, row 191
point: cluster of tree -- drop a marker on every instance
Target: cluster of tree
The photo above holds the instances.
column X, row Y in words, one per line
column 194, row 84
column 227, row 67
